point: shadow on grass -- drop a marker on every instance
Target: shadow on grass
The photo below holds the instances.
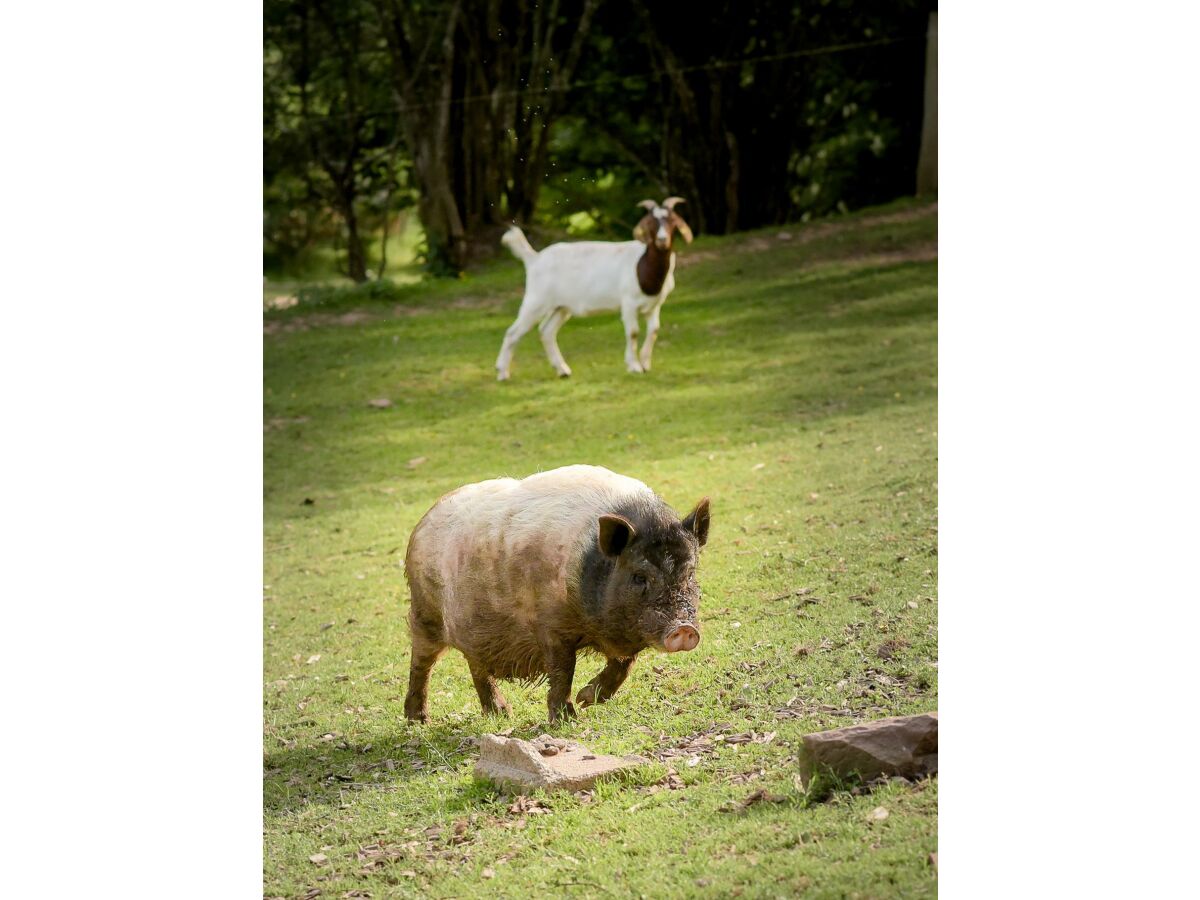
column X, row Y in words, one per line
column 322, row 773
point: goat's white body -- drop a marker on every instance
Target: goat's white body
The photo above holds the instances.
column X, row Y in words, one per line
column 589, row 277
column 579, row 279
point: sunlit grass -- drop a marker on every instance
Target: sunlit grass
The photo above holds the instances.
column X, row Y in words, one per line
column 794, row 384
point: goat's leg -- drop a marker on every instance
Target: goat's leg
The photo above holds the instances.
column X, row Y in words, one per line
column 517, row 330
column 651, row 335
column 629, row 318
column 549, row 330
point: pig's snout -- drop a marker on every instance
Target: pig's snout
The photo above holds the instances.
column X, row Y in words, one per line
column 681, row 637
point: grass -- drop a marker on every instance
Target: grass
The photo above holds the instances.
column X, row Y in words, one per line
column 794, row 384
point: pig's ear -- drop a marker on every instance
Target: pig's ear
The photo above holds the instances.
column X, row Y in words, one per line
column 615, row 534
column 697, row 521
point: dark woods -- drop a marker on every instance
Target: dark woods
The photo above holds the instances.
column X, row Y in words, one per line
column 564, row 113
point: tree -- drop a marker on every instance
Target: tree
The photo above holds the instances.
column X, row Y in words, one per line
column 328, row 126
column 478, row 85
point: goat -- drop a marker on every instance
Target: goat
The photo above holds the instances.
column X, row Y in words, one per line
column 585, row 277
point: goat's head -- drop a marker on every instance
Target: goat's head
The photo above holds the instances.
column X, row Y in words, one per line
column 660, row 223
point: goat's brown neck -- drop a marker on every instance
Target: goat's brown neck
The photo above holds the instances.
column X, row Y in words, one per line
column 652, row 269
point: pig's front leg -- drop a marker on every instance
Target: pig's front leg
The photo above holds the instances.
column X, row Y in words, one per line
column 604, row 685
column 560, row 668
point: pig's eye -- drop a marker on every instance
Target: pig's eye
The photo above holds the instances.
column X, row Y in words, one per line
column 638, row 579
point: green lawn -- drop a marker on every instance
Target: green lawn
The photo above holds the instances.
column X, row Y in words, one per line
column 795, row 383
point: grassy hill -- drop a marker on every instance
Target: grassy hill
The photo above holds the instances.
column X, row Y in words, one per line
column 794, row 383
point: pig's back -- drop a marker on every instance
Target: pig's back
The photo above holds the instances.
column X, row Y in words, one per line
column 501, row 552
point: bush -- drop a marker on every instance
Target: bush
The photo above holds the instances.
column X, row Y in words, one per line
column 323, row 296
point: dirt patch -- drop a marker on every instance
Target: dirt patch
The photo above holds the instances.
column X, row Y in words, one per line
column 919, row 253
column 316, row 320
column 353, row 317
column 278, row 424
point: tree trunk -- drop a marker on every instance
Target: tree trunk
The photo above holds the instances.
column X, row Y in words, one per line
column 356, row 260
column 927, row 161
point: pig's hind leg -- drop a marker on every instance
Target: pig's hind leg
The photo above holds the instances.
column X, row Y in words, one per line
column 605, row 684
column 427, row 646
column 490, row 697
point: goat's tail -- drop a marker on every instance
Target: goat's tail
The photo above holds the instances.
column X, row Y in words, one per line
column 514, row 239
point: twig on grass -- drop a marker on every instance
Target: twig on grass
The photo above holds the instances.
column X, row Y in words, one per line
column 575, row 883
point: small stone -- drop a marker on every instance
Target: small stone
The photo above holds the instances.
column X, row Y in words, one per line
column 904, row 746
column 525, row 764
column 488, row 872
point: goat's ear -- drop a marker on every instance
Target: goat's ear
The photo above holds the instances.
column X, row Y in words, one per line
column 616, row 532
column 644, row 229
column 647, row 204
column 682, row 227
column 697, row 521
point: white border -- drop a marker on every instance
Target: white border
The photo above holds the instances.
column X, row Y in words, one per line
column 1068, row 297
column 132, row 370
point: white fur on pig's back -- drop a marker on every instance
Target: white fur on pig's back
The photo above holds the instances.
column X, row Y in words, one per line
column 512, row 545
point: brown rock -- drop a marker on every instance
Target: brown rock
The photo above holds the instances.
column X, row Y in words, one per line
column 512, row 761
column 905, row 746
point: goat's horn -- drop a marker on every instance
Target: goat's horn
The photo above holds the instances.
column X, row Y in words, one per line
column 670, row 202
column 648, row 204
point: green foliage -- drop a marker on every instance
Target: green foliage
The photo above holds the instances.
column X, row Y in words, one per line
column 338, row 295
column 756, row 112
column 333, row 170
column 795, row 383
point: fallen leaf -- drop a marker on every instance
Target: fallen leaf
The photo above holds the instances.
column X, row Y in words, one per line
column 380, row 403
column 933, row 860
column 316, row 657
column 757, row 467
column 318, row 858
column 879, row 813
column 417, row 461
column 488, row 873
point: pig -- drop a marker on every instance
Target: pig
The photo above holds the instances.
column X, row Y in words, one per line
column 520, row 575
